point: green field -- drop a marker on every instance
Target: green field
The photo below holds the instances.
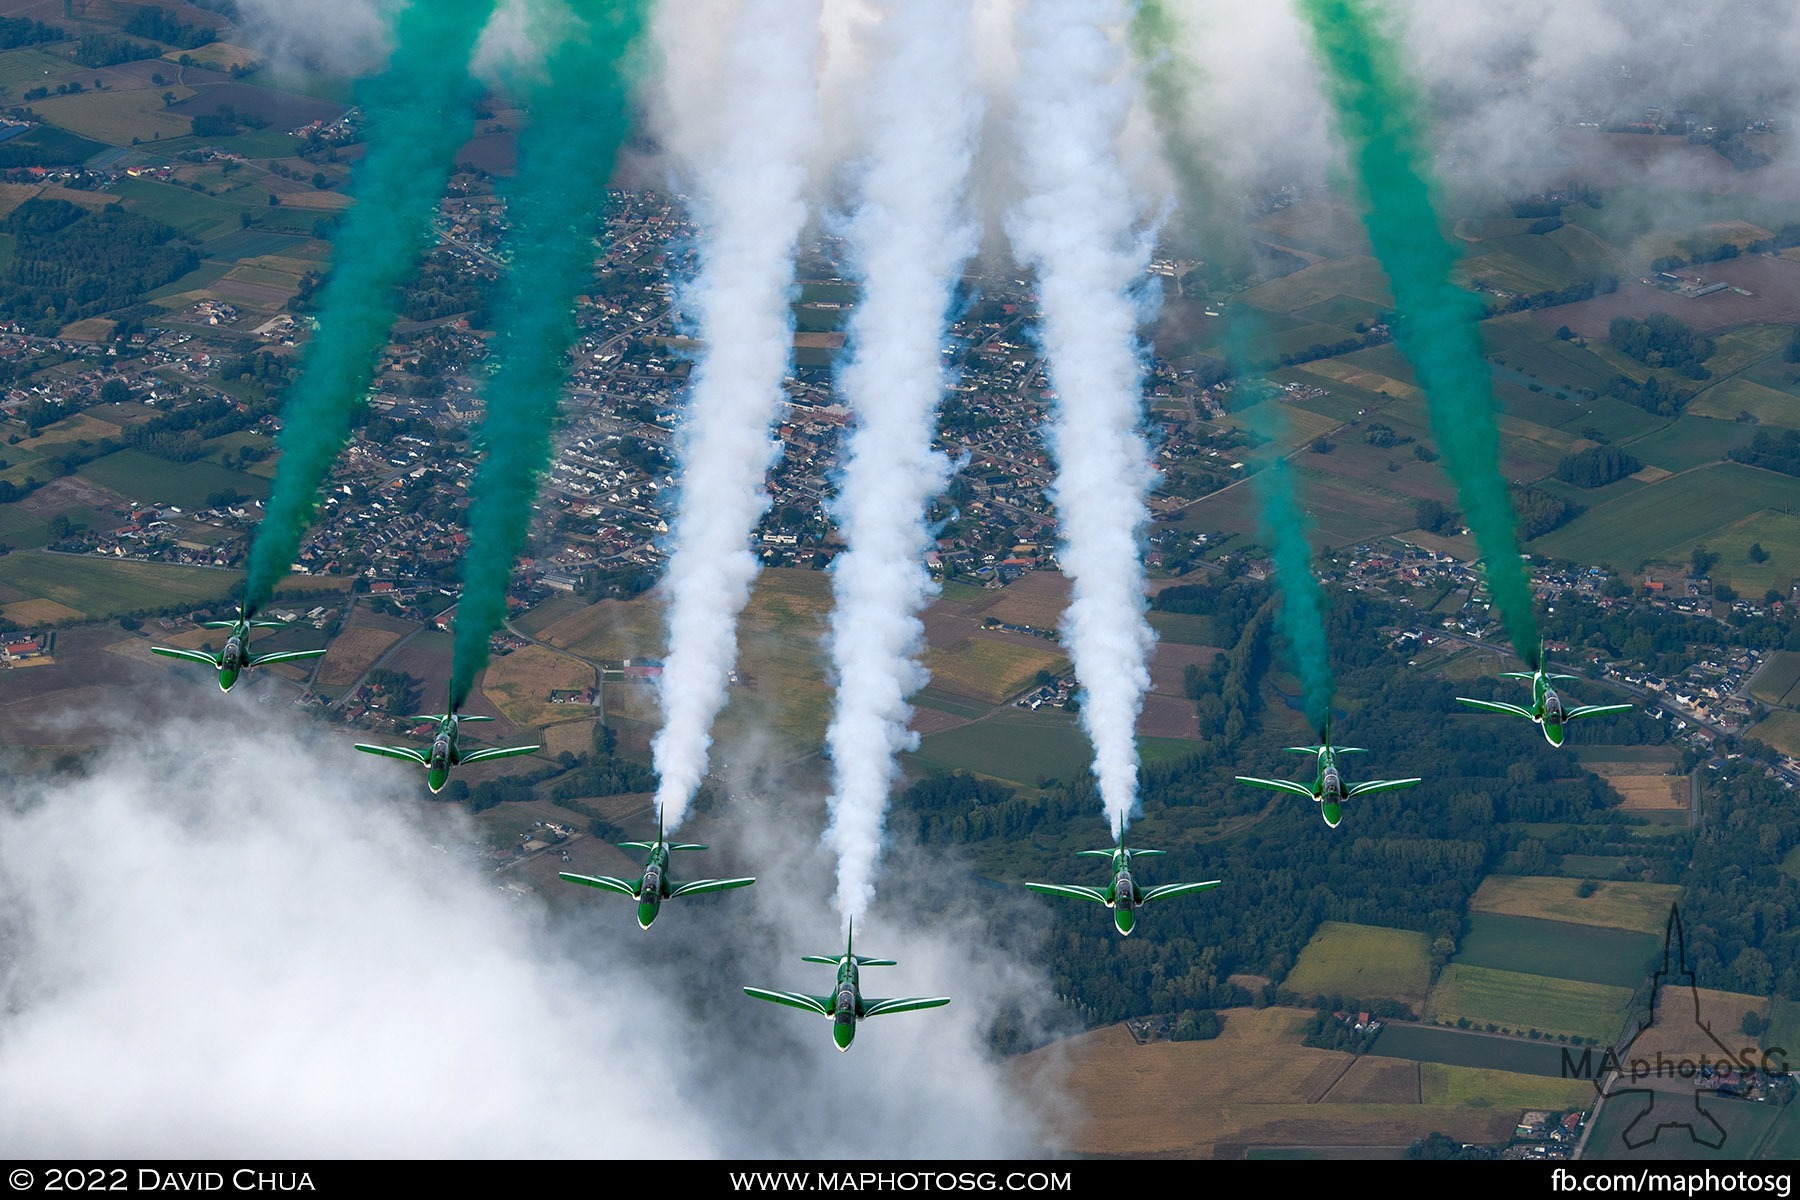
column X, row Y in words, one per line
column 1188, row 629
column 152, row 480
column 1362, row 962
column 956, row 706
column 1519, row 1002
column 1525, row 263
column 1656, row 522
column 1429, row 1044
column 1742, row 348
column 1691, row 441
column 1592, row 866
column 1778, row 533
column 1780, row 729
column 1643, row 907
column 1588, row 953
column 1746, row 1125
column 1027, row 748
column 25, row 68
column 1729, row 400
column 102, row 587
column 1359, row 277
column 208, row 217
column 1477, row 1087
column 1784, row 1028
column 116, row 117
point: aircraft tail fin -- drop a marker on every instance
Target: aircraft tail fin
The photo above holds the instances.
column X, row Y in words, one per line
column 686, row 846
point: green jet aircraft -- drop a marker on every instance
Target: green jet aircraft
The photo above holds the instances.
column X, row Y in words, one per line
column 1328, row 790
column 655, row 886
column 1546, row 706
column 236, row 656
column 445, row 751
column 1122, row 894
column 846, row 1005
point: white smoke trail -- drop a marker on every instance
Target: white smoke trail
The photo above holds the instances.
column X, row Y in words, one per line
column 1075, row 229
column 910, row 239
column 751, row 206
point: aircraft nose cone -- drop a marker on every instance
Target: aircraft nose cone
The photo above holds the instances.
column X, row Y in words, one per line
column 843, row 1035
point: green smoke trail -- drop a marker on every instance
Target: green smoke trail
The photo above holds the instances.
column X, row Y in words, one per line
column 1285, row 525
column 418, row 112
column 1438, row 329
column 579, row 117
column 1202, row 227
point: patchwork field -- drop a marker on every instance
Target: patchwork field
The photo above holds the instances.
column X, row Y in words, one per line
column 993, row 667
column 1655, row 522
column 356, row 649
column 609, row 629
column 519, row 684
column 1192, row 1101
column 1690, row 1022
column 1364, row 962
column 1529, row 945
column 1372, row 1080
column 1665, row 793
column 98, row 587
column 1517, row 1002
column 1642, row 907
column 29, row 613
column 1036, row 598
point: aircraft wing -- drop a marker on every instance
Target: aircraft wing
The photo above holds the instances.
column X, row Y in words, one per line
column 1511, row 710
column 709, row 885
column 199, row 656
column 1378, row 785
column 1169, row 890
column 1595, row 710
column 405, row 752
column 800, row 1000
column 875, row 1008
column 1279, row 785
column 1069, row 889
column 283, row 656
column 606, row 882
column 475, row 756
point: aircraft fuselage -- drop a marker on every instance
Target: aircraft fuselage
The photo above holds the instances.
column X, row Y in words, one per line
column 443, row 756
column 1548, row 710
column 231, row 659
column 848, row 1008
column 1124, row 899
column 653, row 886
